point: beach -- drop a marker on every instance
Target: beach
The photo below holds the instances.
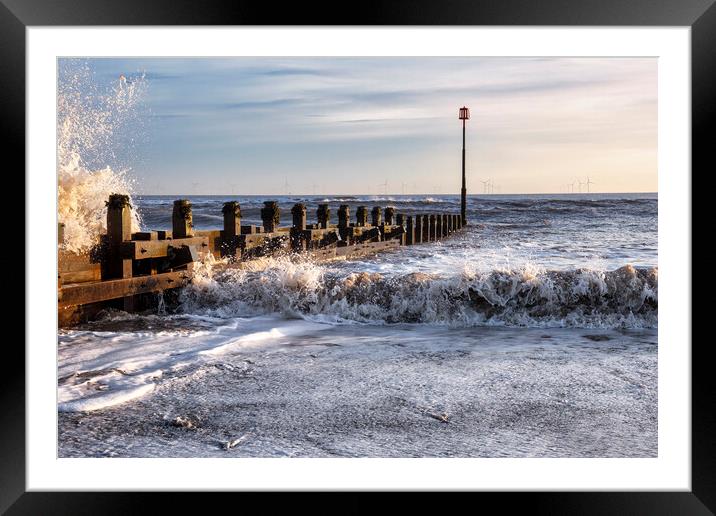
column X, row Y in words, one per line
column 532, row 333
column 312, row 390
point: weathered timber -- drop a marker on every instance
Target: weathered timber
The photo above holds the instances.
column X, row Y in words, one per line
column 251, row 230
column 418, row 230
column 426, row 228
column 410, row 231
column 180, row 256
column 299, row 216
column 432, row 225
column 270, row 216
column 143, row 249
column 298, row 230
column 438, row 227
column 214, row 238
column 361, row 216
column 182, row 219
column 84, row 293
column 119, row 230
column 393, row 232
column 363, row 249
column 344, row 216
column 376, row 215
column 389, row 215
column 232, row 228
column 372, row 234
column 60, row 233
column 323, row 214
column 232, row 219
column 68, row 261
column 92, row 273
column 145, row 235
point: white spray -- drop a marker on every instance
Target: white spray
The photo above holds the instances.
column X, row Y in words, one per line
column 88, row 123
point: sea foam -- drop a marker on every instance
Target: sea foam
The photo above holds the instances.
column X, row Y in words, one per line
column 89, row 120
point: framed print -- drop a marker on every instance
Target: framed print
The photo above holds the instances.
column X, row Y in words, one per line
column 416, row 250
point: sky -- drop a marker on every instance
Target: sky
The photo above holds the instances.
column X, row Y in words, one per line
column 389, row 124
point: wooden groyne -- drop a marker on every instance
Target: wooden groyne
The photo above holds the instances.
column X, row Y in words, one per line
column 126, row 269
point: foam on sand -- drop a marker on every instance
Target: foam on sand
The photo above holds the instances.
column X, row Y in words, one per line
column 102, row 369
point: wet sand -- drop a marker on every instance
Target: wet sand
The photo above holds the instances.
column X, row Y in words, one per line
column 415, row 391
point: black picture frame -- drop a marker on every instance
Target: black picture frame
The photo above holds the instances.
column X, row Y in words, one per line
column 700, row 15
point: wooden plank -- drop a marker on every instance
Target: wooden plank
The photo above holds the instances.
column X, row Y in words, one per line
column 367, row 248
column 140, row 250
column 84, row 293
column 92, row 273
column 145, row 235
column 73, row 262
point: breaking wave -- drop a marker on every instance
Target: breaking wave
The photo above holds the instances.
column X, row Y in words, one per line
column 623, row 298
column 89, row 122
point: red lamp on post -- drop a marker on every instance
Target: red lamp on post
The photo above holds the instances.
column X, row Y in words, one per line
column 464, row 115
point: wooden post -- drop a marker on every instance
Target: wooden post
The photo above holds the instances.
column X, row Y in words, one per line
column 443, row 225
column 410, row 232
column 232, row 219
column 376, row 215
column 400, row 219
column 389, row 215
column 426, row 227
column 270, row 215
column 449, row 224
column 418, row 237
column 60, row 233
column 361, row 216
column 323, row 213
column 232, row 229
column 433, row 235
column 119, row 229
column 438, row 227
column 182, row 225
column 299, row 216
column 298, row 242
column 344, row 217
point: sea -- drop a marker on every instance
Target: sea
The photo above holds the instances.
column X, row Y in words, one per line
column 530, row 333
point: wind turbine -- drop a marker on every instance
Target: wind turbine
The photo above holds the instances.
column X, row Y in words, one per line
column 385, row 187
column 402, row 188
column 485, row 185
column 580, row 185
column 286, row 187
column 589, row 182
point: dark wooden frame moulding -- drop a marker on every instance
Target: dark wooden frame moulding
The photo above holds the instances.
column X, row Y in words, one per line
column 700, row 15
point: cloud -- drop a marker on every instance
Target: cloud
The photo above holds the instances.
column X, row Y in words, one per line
column 287, row 72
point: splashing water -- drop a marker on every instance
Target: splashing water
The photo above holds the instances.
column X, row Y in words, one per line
column 91, row 153
column 529, row 296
